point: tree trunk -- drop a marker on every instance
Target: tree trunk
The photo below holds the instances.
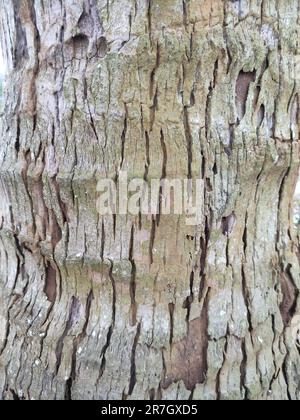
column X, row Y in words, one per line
column 136, row 307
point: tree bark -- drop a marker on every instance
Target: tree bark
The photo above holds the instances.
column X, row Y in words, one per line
column 131, row 307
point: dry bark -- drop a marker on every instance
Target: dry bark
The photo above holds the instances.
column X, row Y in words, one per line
column 134, row 308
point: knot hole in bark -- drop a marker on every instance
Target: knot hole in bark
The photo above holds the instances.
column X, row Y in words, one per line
column 78, row 46
column 242, row 90
column 50, row 284
column 102, row 47
column 228, row 224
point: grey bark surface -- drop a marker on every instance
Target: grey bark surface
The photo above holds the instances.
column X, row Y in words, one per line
column 138, row 308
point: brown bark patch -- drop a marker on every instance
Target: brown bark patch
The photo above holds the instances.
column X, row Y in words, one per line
column 207, row 12
column 20, row 53
column 188, row 359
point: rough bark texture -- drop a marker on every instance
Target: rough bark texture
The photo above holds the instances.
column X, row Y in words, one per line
column 134, row 308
